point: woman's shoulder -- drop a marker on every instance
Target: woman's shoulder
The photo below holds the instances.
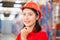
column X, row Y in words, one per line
column 42, row 32
column 42, row 35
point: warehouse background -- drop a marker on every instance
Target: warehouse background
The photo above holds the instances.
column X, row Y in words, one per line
column 11, row 15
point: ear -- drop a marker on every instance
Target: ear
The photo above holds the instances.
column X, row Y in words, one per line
column 37, row 18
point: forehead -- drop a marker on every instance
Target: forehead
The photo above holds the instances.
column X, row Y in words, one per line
column 28, row 10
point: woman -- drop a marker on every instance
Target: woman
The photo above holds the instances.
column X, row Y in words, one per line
column 32, row 29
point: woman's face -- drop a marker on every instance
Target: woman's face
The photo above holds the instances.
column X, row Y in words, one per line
column 29, row 17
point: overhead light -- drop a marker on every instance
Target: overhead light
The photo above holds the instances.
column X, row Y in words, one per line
column 0, row 0
column 1, row 8
column 1, row 4
column 57, row 7
column 11, row 17
column 17, row 5
column 2, row 17
column 42, row 2
column 17, row 1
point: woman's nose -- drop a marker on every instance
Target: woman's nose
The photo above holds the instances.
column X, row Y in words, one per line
column 26, row 17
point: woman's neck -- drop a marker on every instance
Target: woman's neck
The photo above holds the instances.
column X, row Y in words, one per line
column 31, row 27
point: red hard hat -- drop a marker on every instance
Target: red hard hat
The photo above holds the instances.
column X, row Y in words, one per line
column 33, row 5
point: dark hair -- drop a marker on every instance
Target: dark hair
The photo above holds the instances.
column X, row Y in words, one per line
column 37, row 27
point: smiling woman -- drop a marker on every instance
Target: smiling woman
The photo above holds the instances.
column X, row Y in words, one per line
column 31, row 29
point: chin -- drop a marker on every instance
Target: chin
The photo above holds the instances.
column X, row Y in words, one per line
column 27, row 25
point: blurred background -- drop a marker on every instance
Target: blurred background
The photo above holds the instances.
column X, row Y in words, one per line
column 11, row 15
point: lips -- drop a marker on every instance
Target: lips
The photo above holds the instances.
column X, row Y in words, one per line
column 26, row 21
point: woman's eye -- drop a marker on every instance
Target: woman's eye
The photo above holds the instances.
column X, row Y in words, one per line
column 30, row 14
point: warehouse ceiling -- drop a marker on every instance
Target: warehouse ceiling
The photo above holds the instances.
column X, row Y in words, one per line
column 15, row 0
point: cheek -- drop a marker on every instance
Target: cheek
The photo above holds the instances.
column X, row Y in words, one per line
column 33, row 19
column 23, row 20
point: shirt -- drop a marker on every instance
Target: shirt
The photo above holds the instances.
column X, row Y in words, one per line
column 41, row 35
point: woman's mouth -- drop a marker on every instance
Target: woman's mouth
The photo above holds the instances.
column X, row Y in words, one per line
column 26, row 21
